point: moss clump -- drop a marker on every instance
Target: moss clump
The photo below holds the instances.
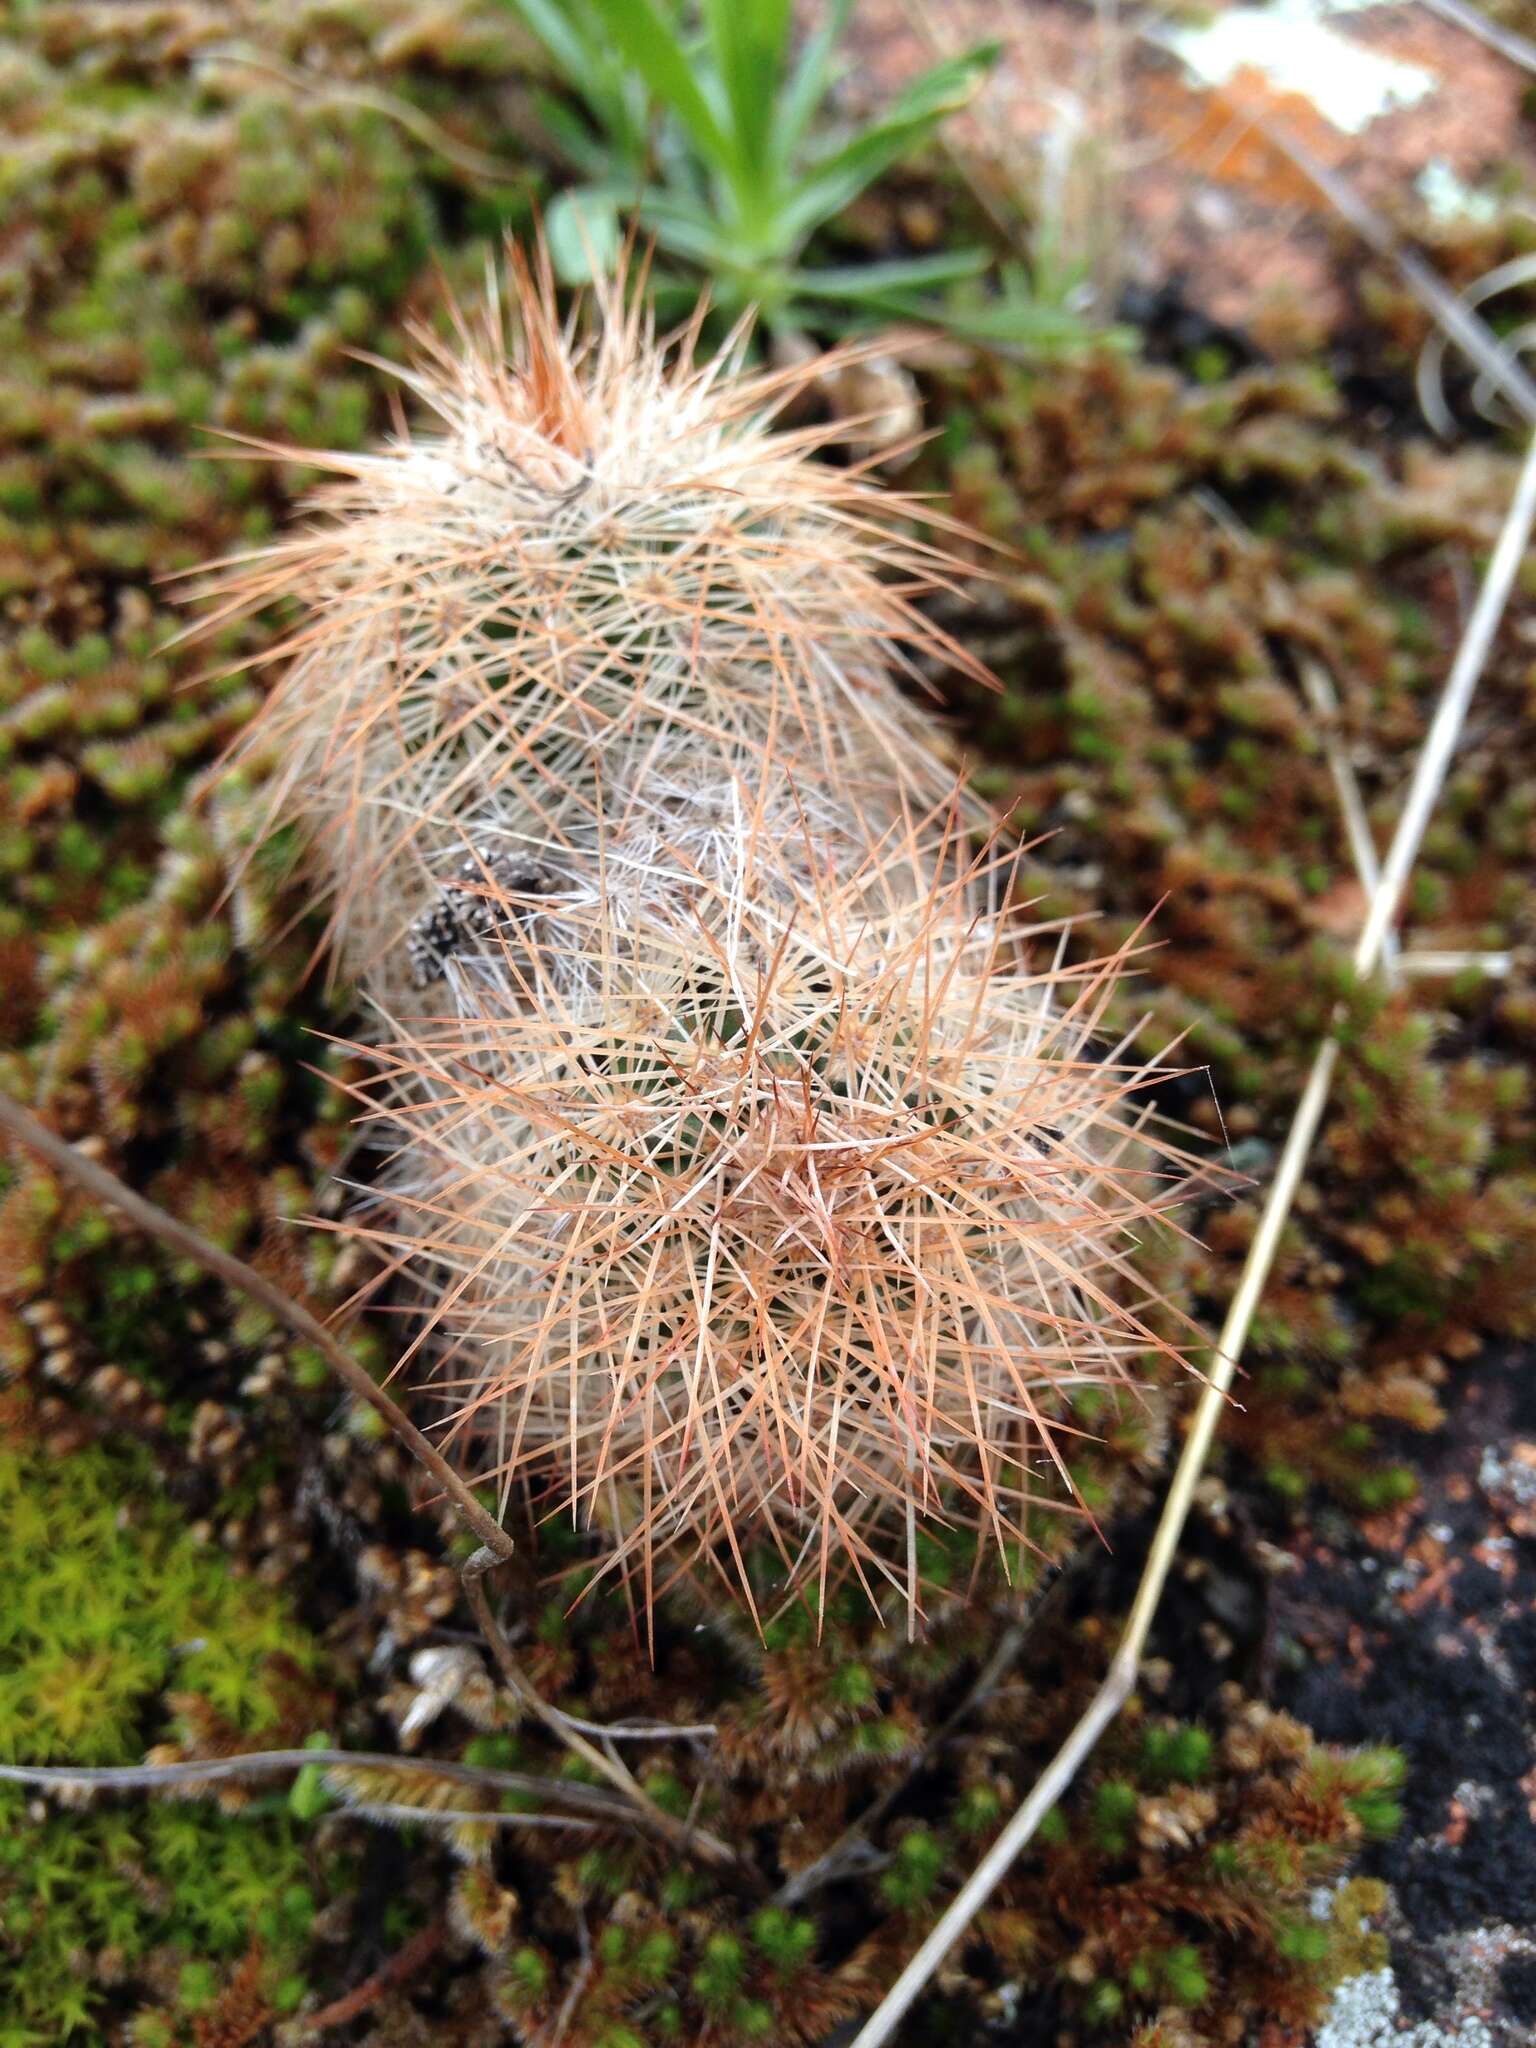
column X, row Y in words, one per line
column 111, row 1603
column 115, row 1621
column 200, row 243
column 1188, row 1878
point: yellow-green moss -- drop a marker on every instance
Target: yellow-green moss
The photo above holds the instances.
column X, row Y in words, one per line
column 110, row 1606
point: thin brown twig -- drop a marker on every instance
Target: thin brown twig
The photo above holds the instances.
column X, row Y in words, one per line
column 1451, row 313
column 1424, row 963
column 1499, row 367
column 852, row 1851
column 104, row 1186
column 709, row 1848
column 1508, row 42
column 257, row 1763
column 491, row 172
column 1323, row 698
column 420, row 1949
column 642, row 1731
column 579, row 1982
column 497, row 1546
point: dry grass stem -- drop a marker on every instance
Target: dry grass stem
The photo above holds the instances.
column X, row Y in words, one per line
column 1508, row 42
column 1428, row 779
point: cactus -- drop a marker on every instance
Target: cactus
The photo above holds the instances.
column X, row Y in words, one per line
column 600, row 546
column 759, row 1181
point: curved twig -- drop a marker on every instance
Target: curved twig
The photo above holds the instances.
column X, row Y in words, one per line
column 103, row 1186
column 418, row 1950
column 497, row 1546
column 259, row 1763
column 490, row 172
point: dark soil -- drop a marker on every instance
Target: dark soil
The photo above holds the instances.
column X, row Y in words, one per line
column 1419, row 1630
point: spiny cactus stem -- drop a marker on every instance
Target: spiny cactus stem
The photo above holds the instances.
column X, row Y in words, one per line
column 497, row 1546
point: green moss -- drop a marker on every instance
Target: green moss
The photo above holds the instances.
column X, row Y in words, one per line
column 1183, row 1975
column 111, row 1607
column 718, row 1978
column 1115, row 1802
column 1180, row 1754
column 915, row 1871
